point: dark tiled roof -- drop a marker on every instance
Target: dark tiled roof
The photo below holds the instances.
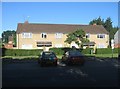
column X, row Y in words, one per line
column 64, row 28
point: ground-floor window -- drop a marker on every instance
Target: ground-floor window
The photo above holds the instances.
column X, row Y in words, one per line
column 42, row 44
column 101, row 45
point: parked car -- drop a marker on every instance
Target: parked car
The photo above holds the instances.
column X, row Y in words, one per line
column 48, row 57
column 73, row 57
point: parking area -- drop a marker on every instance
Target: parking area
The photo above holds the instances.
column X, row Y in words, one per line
column 28, row 73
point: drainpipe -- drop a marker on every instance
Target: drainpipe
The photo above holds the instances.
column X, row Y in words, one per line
column 18, row 40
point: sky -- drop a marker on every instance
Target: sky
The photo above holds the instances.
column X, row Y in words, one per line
column 56, row 13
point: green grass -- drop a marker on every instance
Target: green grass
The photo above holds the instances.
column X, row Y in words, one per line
column 103, row 55
column 96, row 55
column 59, row 56
column 21, row 57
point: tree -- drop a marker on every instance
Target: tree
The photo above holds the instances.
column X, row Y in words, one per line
column 113, row 31
column 6, row 34
column 77, row 36
column 97, row 21
column 108, row 24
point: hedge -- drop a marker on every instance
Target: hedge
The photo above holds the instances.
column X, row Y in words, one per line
column 86, row 51
column 58, row 51
column 106, row 50
column 21, row 52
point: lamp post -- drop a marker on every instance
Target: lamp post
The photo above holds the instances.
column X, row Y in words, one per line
column 112, row 45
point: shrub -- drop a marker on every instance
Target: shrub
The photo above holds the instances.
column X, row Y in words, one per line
column 86, row 51
column 21, row 52
column 106, row 50
column 57, row 51
column 100, row 51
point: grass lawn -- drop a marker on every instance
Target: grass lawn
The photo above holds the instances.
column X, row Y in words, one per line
column 59, row 56
column 103, row 55
column 21, row 57
column 97, row 55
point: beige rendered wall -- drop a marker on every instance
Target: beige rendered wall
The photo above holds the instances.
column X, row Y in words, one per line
column 51, row 37
column 98, row 41
column 37, row 37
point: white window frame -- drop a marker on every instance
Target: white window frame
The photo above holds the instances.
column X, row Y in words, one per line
column 26, row 35
column 101, row 36
column 87, row 35
column 58, row 35
column 101, row 45
column 43, row 35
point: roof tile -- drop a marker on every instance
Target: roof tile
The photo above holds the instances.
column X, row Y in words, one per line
column 64, row 28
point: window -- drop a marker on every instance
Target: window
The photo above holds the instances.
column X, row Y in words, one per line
column 26, row 35
column 87, row 35
column 44, row 35
column 101, row 36
column 101, row 45
column 42, row 44
column 58, row 35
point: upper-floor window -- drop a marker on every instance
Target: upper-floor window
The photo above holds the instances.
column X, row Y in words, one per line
column 58, row 35
column 26, row 35
column 101, row 36
column 87, row 35
column 44, row 35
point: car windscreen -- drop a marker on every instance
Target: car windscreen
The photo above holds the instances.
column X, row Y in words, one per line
column 48, row 54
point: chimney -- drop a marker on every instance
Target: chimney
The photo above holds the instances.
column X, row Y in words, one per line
column 26, row 22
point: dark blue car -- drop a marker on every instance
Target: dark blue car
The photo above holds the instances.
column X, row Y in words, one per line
column 48, row 57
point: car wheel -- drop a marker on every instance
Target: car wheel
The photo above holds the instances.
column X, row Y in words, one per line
column 55, row 63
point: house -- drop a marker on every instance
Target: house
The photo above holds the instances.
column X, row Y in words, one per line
column 116, row 39
column 39, row 36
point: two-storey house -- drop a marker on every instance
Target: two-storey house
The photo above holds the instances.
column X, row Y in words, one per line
column 37, row 36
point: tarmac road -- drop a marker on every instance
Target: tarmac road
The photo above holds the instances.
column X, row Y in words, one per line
column 94, row 73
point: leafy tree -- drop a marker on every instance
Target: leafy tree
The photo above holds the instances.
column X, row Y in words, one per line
column 6, row 34
column 70, row 37
column 97, row 21
column 108, row 24
column 113, row 31
column 78, row 35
